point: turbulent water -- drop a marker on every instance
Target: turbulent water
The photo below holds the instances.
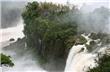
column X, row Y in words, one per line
column 12, row 32
column 79, row 59
column 23, row 59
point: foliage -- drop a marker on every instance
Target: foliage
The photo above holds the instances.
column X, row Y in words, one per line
column 103, row 65
column 75, row 40
column 45, row 30
column 5, row 60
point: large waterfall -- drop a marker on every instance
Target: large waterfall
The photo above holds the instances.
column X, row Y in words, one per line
column 80, row 60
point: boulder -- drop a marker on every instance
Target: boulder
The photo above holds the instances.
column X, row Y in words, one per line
column 11, row 39
column 18, row 39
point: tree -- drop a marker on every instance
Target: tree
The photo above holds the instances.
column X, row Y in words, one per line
column 45, row 30
column 5, row 60
column 103, row 65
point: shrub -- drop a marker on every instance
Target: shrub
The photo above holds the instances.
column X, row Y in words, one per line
column 5, row 60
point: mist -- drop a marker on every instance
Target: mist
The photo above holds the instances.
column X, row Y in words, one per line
column 95, row 21
column 89, row 19
column 11, row 13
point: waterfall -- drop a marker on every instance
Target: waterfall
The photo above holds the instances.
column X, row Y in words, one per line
column 23, row 59
column 79, row 59
column 12, row 32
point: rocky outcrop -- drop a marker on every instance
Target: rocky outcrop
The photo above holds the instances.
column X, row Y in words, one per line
column 11, row 39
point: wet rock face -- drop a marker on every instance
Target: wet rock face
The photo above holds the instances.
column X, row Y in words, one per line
column 92, row 43
column 105, row 38
column 89, row 47
column 12, row 39
column 98, row 38
column 101, row 36
column 18, row 39
column 93, row 36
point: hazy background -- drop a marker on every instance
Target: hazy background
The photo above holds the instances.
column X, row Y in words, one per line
column 11, row 9
column 11, row 13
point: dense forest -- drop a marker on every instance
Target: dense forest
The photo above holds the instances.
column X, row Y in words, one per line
column 46, row 29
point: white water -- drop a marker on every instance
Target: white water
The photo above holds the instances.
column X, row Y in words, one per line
column 12, row 32
column 80, row 61
column 77, row 61
column 24, row 62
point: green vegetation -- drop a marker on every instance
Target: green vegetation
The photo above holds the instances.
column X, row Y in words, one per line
column 46, row 30
column 75, row 40
column 104, row 65
column 5, row 60
column 80, row 40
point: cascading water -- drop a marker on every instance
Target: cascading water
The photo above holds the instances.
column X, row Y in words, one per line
column 23, row 59
column 79, row 59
